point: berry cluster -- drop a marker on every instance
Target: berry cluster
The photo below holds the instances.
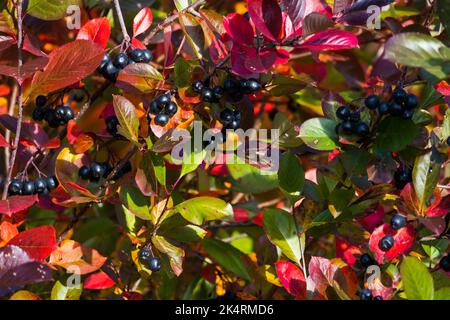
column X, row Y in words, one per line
column 231, row 119
column 95, row 171
column 401, row 105
column 366, row 294
column 351, row 122
column 387, row 242
column 235, row 88
column 147, row 258
column 163, row 108
column 109, row 68
column 38, row 186
column 59, row 116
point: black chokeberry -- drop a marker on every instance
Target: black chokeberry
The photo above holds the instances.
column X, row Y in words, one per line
column 383, row 108
column 84, row 172
column 52, row 182
column 448, row 141
column 198, row 86
column 361, row 129
column 372, row 102
column 217, row 93
column 15, row 187
column 38, row 114
column 366, row 260
column 398, row 221
column 102, row 67
column 107, row 169
column 365, row 294
column 28, row 188
column 145, row 255
column 50, row 116
column 40, row 186
column 343, row 112
column 162, row 119
column 155, row 108
column 354, row 117
column 137, row 55
column 41, row 101
column 96, row 171
column 111, row 125
column 68, row 113
column 244, row 84
column 395, row 109
column 171, row 109
column 207, row 95
column 235, row 124
column 347, row 127
column 386, row 243
column 378, row 298
column 121, row 60
column 407, row 114
column 163, row 100
column 444, row 263
column 231, row 85
column 154, row 264
column 226, row 116
column 111, row 72
column 399, row 95
column 411, row 102
column 147, row 56
column 253, row 86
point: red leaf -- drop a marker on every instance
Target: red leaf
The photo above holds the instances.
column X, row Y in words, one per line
column 332, row 39
column 98, row 281
column 137, row 43
column 373, row 219
column 96, row 30
column 292, row 278
column 267, row 17
column 68, row 64
column 440, row 207
column 443, row 88
column 28, row 69
column 38, row 243
column 239, row 29
column 403, row 240
column 3, row 142
column 16, row 203
column 346, row 251
column 142, row 21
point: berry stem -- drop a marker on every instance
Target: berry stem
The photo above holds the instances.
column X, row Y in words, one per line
column 19, row 99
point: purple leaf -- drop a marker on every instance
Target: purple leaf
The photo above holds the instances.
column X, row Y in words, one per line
column 332, row 39
column 267, row 17
column 18, row 270
column 362, row 5
column 30, row 130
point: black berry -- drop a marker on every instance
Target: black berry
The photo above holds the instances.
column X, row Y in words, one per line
column 171, row 109
column 137, row 55
column 84, row 173
column 40, row 186
column 354, row 117
column 96, row 171
column 121, row 60
column 372, row 102
column 161, row 119
column 366, row 260
column 154, row 264
column 407, row 114
column 38, row 114
column 41, row 101
column 365, row 294
column 28, row 188
column 102, row 67
column 155, row 108
column 231, row 85
column 227, row 115
column 347, row 127
column 378, row 298
column 15, row 187
column 383, row 108
column 163, row 100
column 145, row 255
column 111, row 125
column 386, row 243
column 197, row 86
column 362, row 129
column 217, row 93
column 411, row 102
column 343, row 113
column 253, row 86
column 395, row 109
column 68, row 113
column 52, row 182
column 111, row 72
column 207, row 95
column 402, row 177
column 147, row 56
column 445, row 263
column 399, row 96
column 398, row 221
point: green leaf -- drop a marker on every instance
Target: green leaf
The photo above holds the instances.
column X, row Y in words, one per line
column 280, row 228
column 417, row 280
column 182, row 4
column 50, row 9
column 182, row 72
column 284, row 86
column 201, row 209
column 61, row 292
column 442, row 294
column 445, row 132
column 288, row 132
column 128, row 120
column 389, row 137
column 425, row 178
column 319, row 134
column 250, row 179
column 422, row 117
column 421, row 51
column 191, row 160
column 443, row 10
column 140, row 77
column 227, row 256
column 291, row 175
column 135, row 202
column 175, row 254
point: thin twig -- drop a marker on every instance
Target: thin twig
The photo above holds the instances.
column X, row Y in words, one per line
column 20, row 98
column 12, row 104
column 126, row 36
column 169, row 20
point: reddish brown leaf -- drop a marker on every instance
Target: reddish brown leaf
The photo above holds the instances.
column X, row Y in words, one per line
column 83, row 143
column 98, row 281
column 15, row 204
column 142, row 21
column 68, row 64
column 28, row 69
column 38, row 242
column 292, row 278
column 96, row 30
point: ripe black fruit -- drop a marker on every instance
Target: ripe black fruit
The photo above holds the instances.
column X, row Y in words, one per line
column 448, row 141
column 15, row 187
column 161, row 119
column 399, row 95
column 227, row 115
column 365, row 294
column 347, row 127
column 343, row 113
column 111, row 125
column 411, row 102
column 378, row 298
column 407, row 114
column 102, row 67
column 84, row 172
column 147, row 56
column 361, row 129
column 121, row 60
column 445, row 263
column 386, row 242
column 154, row 264
column 96, row 171
column 395, row 109
column 28, row 188
column 197, row 86
column 107, row 169
column 41, row 101
column 144, row 255
column 171, row 109
column 163, row 100
column 217, row 93
column 38, row 114
column 207, row 95
column 372, row 102
column 366, row 260
column 111, row 72
column 40, row 185
column 231, row 85
column 137, row 55
column 383, row 108
column 253, row 85
column 245, row 85
column 68, row 113
column 51, row 118
column 398, row 221
column 155, row 108
column 354, row 117
column 52, row 182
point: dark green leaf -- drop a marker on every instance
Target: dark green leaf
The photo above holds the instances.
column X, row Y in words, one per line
column 389, row 137
column 291, row 175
